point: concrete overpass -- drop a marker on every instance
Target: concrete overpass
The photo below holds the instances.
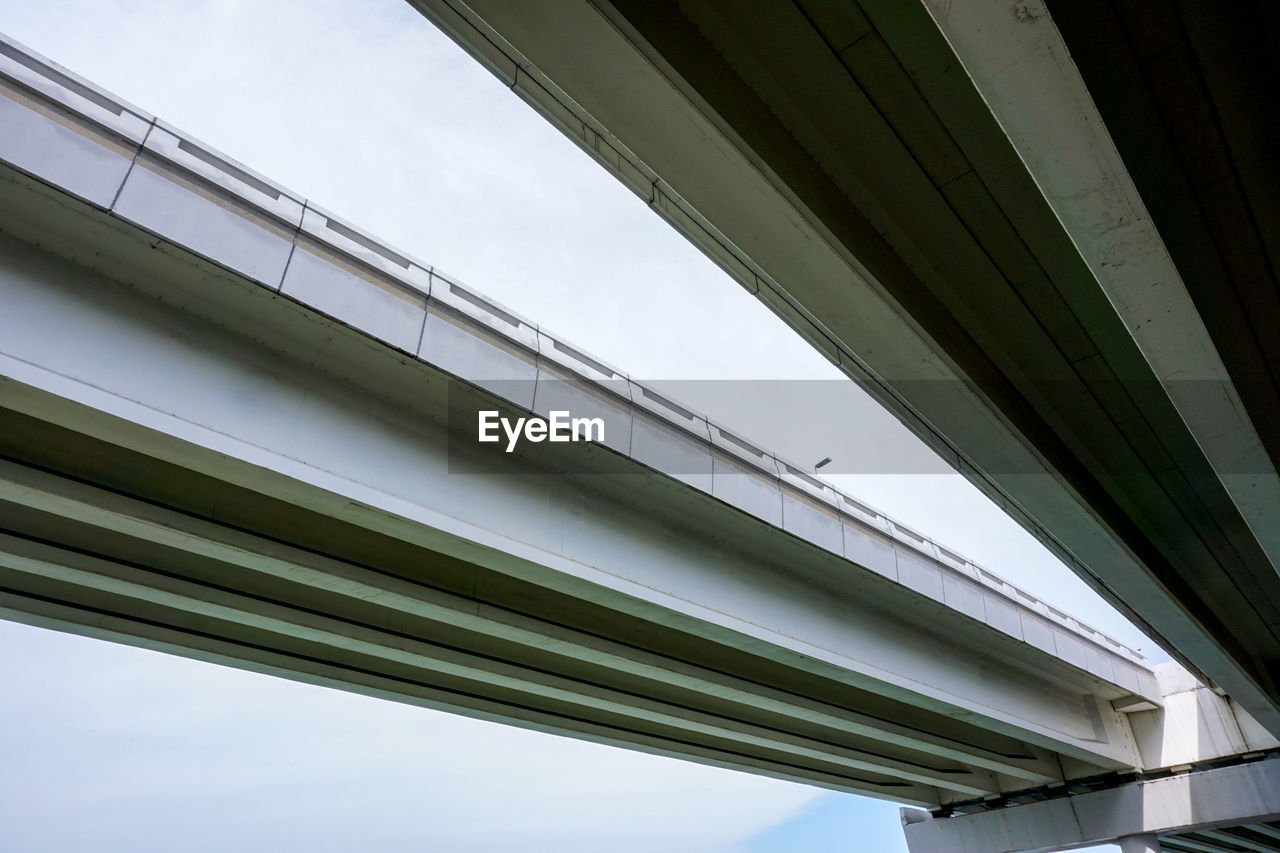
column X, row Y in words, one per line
column 235, row 427
column 1045, row 236
column 230, row 429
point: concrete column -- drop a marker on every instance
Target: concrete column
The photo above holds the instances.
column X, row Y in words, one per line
column 1140, row 844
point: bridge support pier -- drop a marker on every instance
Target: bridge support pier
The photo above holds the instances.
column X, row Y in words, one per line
column 1235, row 801
column 1140, row 844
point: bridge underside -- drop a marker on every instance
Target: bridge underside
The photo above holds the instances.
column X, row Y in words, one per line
column 235, row 427
column 926, row 193
column 195, row 463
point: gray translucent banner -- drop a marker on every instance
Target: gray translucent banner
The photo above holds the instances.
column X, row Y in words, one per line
column 803, row 423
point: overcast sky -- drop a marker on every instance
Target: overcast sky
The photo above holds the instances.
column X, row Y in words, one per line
column 370, row 112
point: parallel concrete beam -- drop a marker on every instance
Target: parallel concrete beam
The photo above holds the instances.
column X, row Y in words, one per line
column 239, row 445
column 840, row 162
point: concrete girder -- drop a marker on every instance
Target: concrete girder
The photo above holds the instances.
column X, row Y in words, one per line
column 170, row 521
column 840, row 162
column 259, row 470
column 69, row 502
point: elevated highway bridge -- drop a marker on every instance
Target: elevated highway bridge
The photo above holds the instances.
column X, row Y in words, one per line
column 1045, row 234
column 236, row 427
